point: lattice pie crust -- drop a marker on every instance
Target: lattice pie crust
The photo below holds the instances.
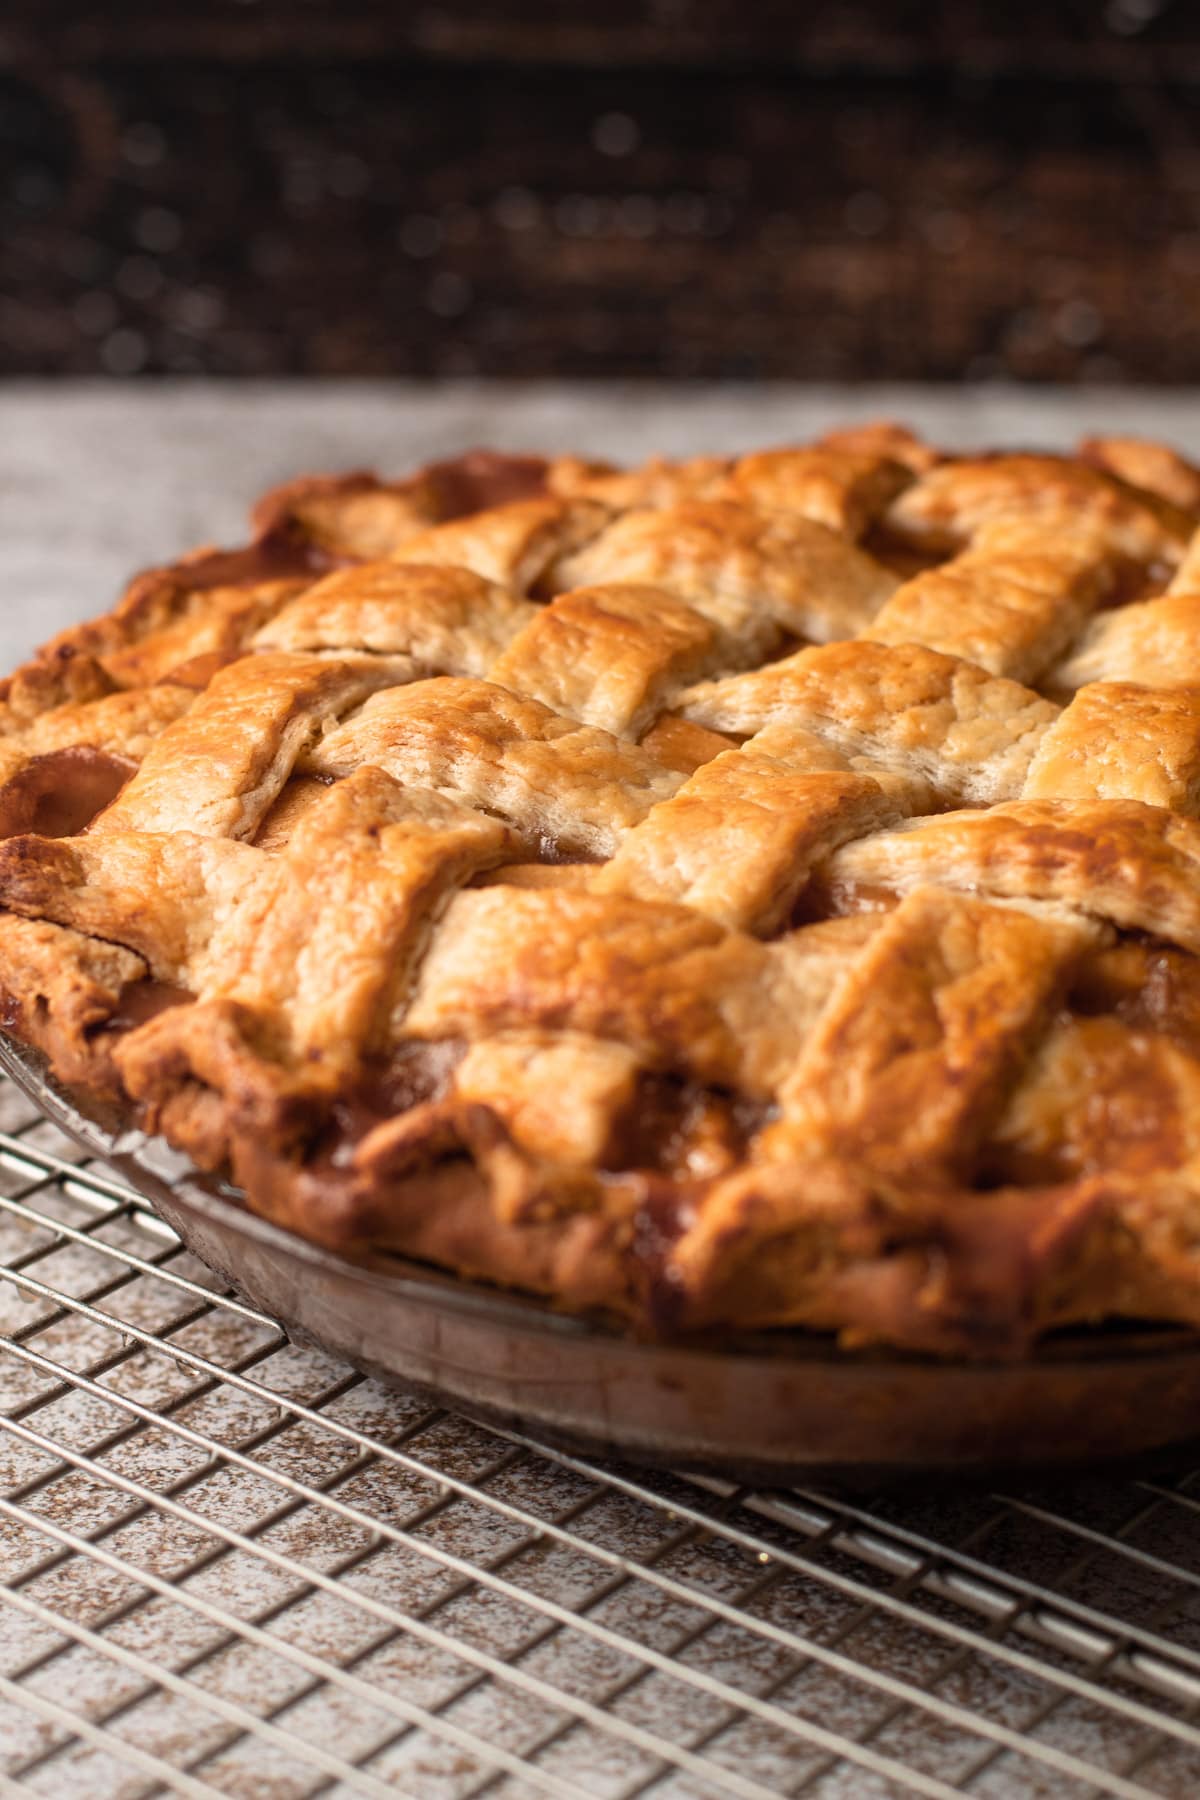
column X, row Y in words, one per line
column 738, row 892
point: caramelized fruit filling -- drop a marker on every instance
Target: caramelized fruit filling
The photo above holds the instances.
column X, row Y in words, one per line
column 142, row 1001
column 59, row 794
column 686, row 1132
column 467, row 484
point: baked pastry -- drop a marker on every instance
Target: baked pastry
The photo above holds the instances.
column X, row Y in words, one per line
column 741, row 892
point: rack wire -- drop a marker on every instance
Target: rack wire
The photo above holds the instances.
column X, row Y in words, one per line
column 233, row 1566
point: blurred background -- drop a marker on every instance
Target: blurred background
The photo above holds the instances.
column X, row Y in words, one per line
column 623, row 227
column 696, row 189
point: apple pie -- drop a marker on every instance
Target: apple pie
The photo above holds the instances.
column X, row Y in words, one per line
column 739, row 892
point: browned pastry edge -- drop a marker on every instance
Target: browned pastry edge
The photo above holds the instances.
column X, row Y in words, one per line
column 704, row 1208
column 820, row 1245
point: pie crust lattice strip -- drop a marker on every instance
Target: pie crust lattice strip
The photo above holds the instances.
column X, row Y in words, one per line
column 741, row 892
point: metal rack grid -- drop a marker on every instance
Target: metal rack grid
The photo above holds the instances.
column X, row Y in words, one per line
column 234, row 1566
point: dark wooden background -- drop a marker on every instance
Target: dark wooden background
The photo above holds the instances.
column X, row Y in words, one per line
column 685, row 188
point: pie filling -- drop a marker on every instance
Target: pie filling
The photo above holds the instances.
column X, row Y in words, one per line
column 142, row 1001
column 482, row 479
column 413, row 1075
column 60, row 792
column 741, row 892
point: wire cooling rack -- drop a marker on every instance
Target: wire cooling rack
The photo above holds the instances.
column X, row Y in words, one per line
column 233, row 1566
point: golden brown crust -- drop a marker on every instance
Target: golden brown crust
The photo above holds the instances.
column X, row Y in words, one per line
column 440, row 621
column 950, row 504
column 754, row 575
column 1012, row 602
column 1144, row 464
column 911, row 1059
column 826, row 1245
column 1155, row 642
column 58, row 988
column 1119, row 740
column 609, row 656
column 1133, row 865
column 936, row 719
column 748, row 891
column 685, row 994
column 739, row 840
